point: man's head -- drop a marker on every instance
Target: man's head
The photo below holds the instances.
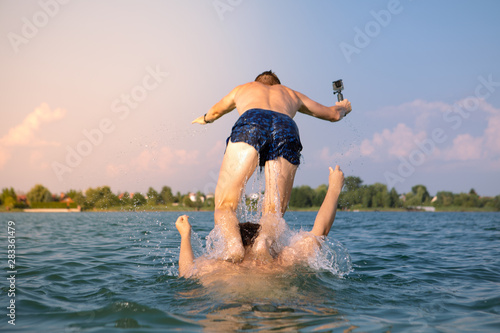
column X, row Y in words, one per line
column 249, row 232
column 268, row 77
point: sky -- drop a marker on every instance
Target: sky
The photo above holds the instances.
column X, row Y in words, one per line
column 103, row 92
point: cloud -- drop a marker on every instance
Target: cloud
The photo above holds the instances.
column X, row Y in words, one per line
column 390, row 143
column 163, row 159
column 404, row 138
column 419, row 112
column 465, row 147
column 25, row 134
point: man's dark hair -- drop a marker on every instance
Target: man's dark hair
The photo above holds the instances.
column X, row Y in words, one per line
column 268, row 77
column 249, row 232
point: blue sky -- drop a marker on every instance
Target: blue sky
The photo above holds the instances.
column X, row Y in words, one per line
column 103, row 92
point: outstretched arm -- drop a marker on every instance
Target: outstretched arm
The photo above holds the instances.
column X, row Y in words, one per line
column 306, row 245
column 225, row 105
column 328, row 209
column 186, row 257
column 330, row 113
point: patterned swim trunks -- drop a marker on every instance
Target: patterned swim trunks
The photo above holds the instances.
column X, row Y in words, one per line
column 271, row 133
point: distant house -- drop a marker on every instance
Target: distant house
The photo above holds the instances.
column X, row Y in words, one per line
column 421, row 208
column 192, row 197
column 22, row 198
column 67, row 200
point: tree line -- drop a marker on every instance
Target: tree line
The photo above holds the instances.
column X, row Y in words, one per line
column 354, row 195
column 103, row 198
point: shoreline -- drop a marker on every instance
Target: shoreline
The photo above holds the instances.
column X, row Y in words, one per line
column 291, row 209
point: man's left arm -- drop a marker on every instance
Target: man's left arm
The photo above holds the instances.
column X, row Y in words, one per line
column 330, row 113
column 225, row 105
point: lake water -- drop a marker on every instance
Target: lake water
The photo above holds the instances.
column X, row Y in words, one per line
column 104, row 272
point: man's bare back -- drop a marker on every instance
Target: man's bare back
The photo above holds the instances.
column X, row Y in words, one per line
column 278, row 98
column 255, row 95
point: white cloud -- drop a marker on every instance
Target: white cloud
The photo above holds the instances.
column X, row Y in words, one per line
column 465, row 147
column 401, row 141
column 420, row 112
column 25, row 134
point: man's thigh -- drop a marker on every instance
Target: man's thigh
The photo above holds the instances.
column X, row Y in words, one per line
column 279, row 182
column 238, row 165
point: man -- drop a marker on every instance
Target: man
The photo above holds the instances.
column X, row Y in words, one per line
column 299, row 250
column 266, row 135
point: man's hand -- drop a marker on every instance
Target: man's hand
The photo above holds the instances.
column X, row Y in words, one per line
column 344, row 108
column 199, row 120
column 336, row 179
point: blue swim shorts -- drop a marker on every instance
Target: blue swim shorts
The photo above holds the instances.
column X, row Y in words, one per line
column 271, row 133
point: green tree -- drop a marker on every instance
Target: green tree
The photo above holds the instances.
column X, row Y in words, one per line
column 9, row 202
column 100, row 197
column 200, row 199
column 494, row 203
column 76, row 196
column 444, row 199
column 138, row 199
column 352, row 183
column 178, row 197
column 125, row 199
column 186, row 201
column 394, row 200
column 367, row 193
column 423, row 196
column 352, row 193
column 154, row 198
column 39, row 193
column 380, row 196
column 6, row 194
column 319, row 195
column 302, row 196
column 166, row 195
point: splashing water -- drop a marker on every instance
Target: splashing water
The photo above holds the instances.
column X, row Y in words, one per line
column 332, row 256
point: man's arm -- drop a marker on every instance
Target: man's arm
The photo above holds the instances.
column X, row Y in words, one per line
column 304, row 247
column 225, row 105
column 328, row 209
column 330, row 113
column 186, row 256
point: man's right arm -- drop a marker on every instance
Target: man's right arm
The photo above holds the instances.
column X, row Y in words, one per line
column 225, row 105
column 330, row 113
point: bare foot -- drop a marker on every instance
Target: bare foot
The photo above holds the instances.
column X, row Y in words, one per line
column 183, row 226
column 261, row 248
column 235, row 252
